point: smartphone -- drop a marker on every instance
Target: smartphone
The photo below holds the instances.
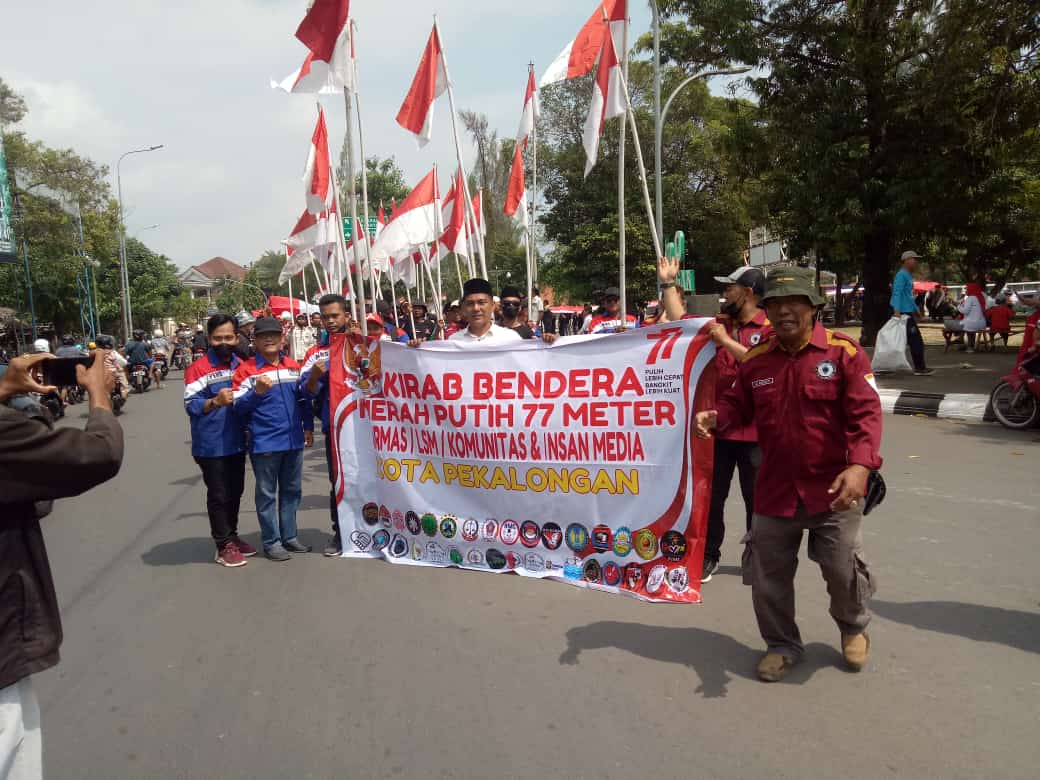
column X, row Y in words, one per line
column 61, row 372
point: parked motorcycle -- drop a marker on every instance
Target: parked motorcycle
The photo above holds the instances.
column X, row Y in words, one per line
column 140, row 378
column 1016, row 400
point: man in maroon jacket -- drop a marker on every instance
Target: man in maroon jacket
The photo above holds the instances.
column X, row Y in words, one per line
column 812, row 396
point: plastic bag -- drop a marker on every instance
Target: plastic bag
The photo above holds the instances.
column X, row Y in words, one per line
column 890, row 347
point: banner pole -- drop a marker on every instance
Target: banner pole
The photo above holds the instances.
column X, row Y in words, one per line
column 641, row 167
column 622, row 281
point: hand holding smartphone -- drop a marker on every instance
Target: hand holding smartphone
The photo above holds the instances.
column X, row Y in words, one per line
column 61, row 371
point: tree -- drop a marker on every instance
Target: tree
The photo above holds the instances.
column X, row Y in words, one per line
column 386, row 183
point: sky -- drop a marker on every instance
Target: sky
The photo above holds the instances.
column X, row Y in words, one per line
column 109, row 76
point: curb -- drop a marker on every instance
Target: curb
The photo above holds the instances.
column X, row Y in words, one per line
column 967, row 407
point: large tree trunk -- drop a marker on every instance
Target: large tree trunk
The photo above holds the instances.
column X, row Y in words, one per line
column 876, row 293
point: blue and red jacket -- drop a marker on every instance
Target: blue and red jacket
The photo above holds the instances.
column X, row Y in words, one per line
column 277, row 420
column 319, row 352
column 221, row 432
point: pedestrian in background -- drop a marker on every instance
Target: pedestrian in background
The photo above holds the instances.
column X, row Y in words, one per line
column 218, row 438
column 811, row 395
column 902, row 302
column 280, row 424
column 302, row 339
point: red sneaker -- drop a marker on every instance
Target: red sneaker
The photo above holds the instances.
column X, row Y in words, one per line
column 229, row 555
column 247, row 550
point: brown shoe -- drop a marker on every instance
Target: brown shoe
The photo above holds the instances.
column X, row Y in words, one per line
column 774, row 667
column 855, row 648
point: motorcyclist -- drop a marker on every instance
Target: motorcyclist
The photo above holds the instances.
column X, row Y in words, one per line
column 161, row 353
column 1030, row 346
column 115, row 364
column 68, row 348
column 245, row 335
column 199, row 342
column 138, row 351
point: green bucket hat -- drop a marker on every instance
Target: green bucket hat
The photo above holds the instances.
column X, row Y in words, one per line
column 793, row 281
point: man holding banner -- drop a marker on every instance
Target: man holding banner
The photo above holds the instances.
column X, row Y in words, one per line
column 478, row 307
column 811, row 394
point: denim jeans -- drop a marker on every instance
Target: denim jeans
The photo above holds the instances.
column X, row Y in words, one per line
column 277, row 474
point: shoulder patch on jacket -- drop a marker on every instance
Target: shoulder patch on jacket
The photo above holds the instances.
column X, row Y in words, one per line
column 836, row 339
column 761, row 349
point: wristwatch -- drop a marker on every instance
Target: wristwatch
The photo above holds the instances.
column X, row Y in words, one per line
column 667, row 286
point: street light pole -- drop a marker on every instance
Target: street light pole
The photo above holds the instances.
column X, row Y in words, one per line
column 124, row 285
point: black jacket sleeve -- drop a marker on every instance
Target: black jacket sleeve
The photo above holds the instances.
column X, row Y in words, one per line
column 39, row 463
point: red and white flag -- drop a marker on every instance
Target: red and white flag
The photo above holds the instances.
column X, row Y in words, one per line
column 530, row 114
column 430, row 82
column 453, row 218
column 317, row 176
column 579, row 56
column 478, row 212
column 516, row 192
column 608, row 101
column 312, row 78
column 414, row 222
column 325, row 30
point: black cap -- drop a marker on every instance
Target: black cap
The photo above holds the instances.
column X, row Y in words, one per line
column 610, row 292
column 267, row 325
column 476, row 287
column 509, row 292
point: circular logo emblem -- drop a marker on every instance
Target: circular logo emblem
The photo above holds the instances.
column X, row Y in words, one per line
column 475, row 558
column 455, row 556
column 399, row 546
column 633, row 576
column 530, row 533
column 602, row 538
column 362, row 542
column 495, row 559
column 572, row 568
column 678, row 580
column 435, row 553
column 448, row 527
column 591, row 571
column 412, row 523
column 577, row 537
column 655, row 579
column 552, row 536
column 673, row 546
column 622, row 542
column 514, row 560
column 645, row 543
column 754, row 339
column 470, row 530
column 611, row 574
column 385, row 517
column 370, row 513
column 489, row 529
column 380, row 539
column 510, row 532
column 534, row 562
column 429, row 524
column 398, row 520
column 826, row 370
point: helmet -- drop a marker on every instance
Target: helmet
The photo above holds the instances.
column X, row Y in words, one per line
column 198, row 328
column 285, row 315
column 157, row 333
column 105, row 342
column 67, row 340
column 41, row 345
column 92, row 345
column 138, row 335
column 244, row 318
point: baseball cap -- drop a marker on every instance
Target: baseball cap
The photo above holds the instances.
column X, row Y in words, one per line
column 267, row 325
column 746, row 276
column 910, row 254
column 793, row 281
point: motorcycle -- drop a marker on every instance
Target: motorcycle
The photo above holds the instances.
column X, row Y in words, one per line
column 197, row 354
column 179, row 359
column 162, row 364
column 140, row 378
column 74, row 394
column 117, row 401
column 53, row 404
column 1016, row 400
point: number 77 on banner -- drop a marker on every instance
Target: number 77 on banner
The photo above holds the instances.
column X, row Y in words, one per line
column 666, row 340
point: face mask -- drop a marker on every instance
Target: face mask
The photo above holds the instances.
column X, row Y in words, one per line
column 224, row 352
column 732, row 309
column 511, row 309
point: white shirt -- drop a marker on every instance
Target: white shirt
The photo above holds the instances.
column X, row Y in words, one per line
column 497, row 335
column 974, row 317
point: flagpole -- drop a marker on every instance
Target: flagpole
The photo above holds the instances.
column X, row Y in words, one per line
column 530, row 263
column 621, row 182
column 364, row 167
column 358, row 288
column 458, row 153
column 408, row 293
column 534, row 186
column 458, row 272
column 306, row 300
column 290, row 296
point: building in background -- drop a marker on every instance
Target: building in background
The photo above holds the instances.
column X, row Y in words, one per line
column 205, row 280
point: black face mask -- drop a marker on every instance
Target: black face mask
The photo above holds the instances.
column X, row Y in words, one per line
column 732, row 309
column 224, row 352
column 510, row 309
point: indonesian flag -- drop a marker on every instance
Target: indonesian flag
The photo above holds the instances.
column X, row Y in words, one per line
column 478, row 212
column 325, row 30
column 579, row 56
column 608, row 101
column 295, row 261
column 430, row 82
column 414, row 222
column 453, row 218
column 317, row 176
column 312, row 78
column 530, row 114
column 516, row 192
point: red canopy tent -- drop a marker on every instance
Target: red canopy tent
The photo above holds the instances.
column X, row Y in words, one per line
column 920, row 287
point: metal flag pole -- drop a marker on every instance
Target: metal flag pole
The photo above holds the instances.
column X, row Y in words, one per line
column 356, row 289
column 534, row 189
column 306, row 299
column 291, row 299
column 622, row 281
column 471, row 215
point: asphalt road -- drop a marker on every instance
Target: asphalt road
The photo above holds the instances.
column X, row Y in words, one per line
column 174, row 667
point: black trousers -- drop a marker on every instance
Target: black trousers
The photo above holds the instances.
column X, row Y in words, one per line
column 225, row 480
column 745, row 457
column 916, row 343
column 333, row 510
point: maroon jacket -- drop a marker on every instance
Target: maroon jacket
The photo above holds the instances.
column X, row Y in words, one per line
column 817, row 413
column 750, row 335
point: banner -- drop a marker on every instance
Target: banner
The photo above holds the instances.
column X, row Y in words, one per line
column 8, row 249
column 575, row 461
